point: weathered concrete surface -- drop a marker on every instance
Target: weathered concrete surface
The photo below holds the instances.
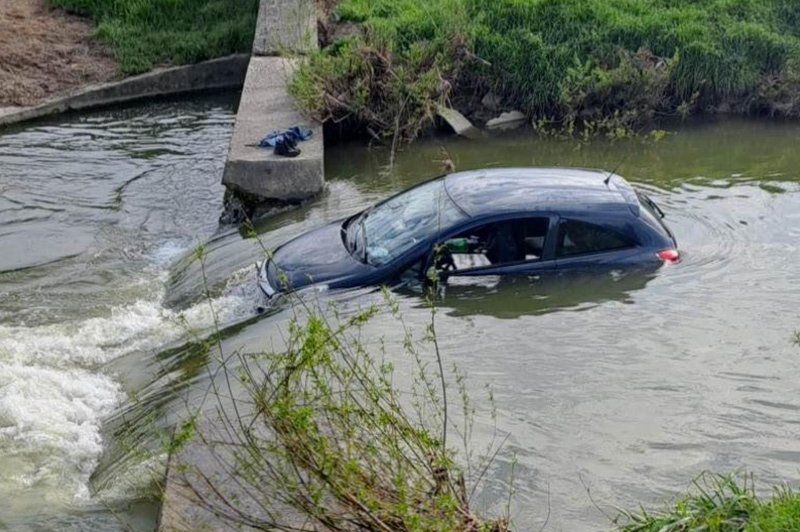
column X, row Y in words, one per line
column 509, row 120
column 266, row 106
column 212, row 483
column 217, row 74
column 202, row 491
column 458, row 122
column 5, row 111
column 286, row 27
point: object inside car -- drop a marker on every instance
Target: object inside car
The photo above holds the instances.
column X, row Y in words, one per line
column 495, row 243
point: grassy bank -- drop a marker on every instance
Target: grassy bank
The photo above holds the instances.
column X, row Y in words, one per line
column 601, row 64
column 146, row 33
column 722, row 504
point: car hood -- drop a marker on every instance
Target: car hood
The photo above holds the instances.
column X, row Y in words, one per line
column 318, row 256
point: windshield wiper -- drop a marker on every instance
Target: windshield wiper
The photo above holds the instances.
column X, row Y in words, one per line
column 348, row 232
column 654, row 206
column 364, row 234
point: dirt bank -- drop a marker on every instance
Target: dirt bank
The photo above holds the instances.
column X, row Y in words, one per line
column 45, row 53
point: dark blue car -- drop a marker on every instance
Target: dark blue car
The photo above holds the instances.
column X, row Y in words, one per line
column 511, row 221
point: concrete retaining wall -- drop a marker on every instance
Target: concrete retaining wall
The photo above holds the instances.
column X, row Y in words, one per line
column 218, row 74
column 286, row 27
column 266, row 106
column 255, row 175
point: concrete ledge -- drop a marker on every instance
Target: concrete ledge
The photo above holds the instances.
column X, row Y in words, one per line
column 188, row 499
column 204, row 490
column 286, row 27
column 266, row 106
column 217, row 74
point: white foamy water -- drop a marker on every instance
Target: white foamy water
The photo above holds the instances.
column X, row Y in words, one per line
column 50, row 428
column 95, row 208
column 54, row 394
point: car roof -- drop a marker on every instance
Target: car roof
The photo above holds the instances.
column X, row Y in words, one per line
column 498, row 190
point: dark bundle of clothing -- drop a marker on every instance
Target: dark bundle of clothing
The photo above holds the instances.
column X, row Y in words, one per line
column 285, row 142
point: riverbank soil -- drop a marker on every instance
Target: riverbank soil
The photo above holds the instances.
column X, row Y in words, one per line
column 46, row 52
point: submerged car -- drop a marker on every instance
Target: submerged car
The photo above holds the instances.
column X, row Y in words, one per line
column 510, row 221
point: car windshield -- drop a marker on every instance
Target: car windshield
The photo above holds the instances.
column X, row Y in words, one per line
column 386, row 231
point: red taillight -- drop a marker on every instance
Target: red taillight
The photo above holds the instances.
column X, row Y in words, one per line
column 669, row 256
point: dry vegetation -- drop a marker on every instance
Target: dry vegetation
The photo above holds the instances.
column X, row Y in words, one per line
column 45, row 52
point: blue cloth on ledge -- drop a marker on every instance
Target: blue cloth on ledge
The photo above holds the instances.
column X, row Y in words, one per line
column 296, row 133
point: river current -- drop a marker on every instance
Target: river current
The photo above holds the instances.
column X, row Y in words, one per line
column 613, row 390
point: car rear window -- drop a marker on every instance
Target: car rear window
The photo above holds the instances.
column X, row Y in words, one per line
column 578, row 238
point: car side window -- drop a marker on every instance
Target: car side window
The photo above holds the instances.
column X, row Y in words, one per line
column 579, row 238
column 496, row 243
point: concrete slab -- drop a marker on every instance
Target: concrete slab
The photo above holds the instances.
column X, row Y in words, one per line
column 9, row 110
column 200, row 479
column 458, row 122
column 509, row 120
column 286, row 27
column 266, row 106
column 210, row 485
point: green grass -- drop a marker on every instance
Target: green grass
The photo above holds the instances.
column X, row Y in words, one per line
column 566, row 60
column 782, row 514
column 721, row 503
column 146, row 33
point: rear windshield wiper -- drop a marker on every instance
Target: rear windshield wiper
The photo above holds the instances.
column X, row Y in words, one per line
column 652, row 204
column 655, row 206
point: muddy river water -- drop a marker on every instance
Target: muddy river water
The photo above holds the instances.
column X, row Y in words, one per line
column 613, row 390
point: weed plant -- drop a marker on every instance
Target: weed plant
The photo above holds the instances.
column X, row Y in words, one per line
column 321, row 434
column 721, row 503
column 147, row 33
column 609, row 65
